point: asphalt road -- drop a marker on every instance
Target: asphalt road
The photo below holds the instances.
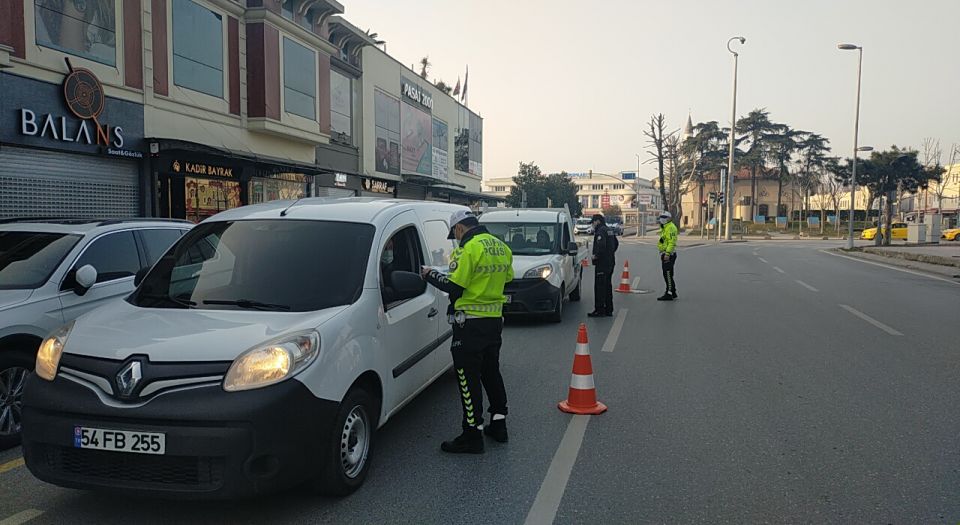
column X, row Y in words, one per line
column 786, row 385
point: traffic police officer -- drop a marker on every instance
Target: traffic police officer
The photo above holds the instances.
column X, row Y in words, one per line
column 604, row 259
column 479, row 268
column 667, row 244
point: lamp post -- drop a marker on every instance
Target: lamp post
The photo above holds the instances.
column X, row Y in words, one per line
column 856, row 136
column 728, row 192
column 636, row 183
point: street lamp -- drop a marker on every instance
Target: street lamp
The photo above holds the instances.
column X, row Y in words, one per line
column 728, row 193
column 856, row 136
column 636, row 183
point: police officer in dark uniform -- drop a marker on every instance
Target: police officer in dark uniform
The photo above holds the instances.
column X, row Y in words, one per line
column 604, row 260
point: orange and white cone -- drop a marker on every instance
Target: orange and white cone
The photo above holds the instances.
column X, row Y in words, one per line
column 625, row 279
column 585, row 263
column 582, row 397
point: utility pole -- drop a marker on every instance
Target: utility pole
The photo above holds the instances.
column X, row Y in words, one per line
column 728, row 192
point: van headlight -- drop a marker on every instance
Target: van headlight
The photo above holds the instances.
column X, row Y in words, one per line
column 540, row 272
column 272, row 362
column 48, row 357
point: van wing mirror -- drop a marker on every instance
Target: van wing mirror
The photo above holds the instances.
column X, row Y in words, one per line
column 573, row 249
column 407, row 285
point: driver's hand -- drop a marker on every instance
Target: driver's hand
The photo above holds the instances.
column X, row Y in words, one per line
column 425, row 271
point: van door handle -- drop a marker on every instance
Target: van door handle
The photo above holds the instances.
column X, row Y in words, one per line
column 433, row 312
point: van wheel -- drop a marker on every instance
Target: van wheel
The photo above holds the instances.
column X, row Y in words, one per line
column 14, row 370
column 575, row 294
column 557, row 315
column 348, row 452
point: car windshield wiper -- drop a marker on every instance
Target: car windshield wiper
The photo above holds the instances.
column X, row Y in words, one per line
column 247, row 304
column 186, row 303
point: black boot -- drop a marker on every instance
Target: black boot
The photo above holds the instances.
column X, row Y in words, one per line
column 497, row 430
column 665, row 297
column 596, row 313
column 469, row 442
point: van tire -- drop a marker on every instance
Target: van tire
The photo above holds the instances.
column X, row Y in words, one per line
column 13, row 364
column 358, row 413
column 575, row 294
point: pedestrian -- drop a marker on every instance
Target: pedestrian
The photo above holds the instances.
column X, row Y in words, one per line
column 479, row 268
column 667, row 244
column 605, row 245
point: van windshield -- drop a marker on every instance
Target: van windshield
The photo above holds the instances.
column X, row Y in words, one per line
column 527, row 238
column 275, row 265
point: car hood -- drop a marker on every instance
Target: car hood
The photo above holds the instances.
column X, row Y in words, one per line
column 119, row 330
column 9, row 298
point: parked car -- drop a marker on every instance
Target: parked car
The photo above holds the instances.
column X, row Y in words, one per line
column 583, row 226
column 953, row 234
column 899, row 231
column 546, row 259
column 262, row 351
column 52, row 271
column 615, row 225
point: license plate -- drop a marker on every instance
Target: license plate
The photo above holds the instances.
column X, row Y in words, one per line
column 120, row 440
column 509, row 299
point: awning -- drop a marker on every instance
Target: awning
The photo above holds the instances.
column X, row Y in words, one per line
column 169, row 145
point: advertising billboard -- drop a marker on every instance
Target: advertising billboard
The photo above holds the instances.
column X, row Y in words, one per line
column 416, row 132
column 441, row 141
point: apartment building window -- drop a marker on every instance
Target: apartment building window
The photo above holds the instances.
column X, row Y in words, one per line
column 596, row 187
column 500, row 189
column 594, row 201
column 197, row 48
column 618, row 186
column 387, row 123
column 299, row 80
column 341, row 106
column 85, row 29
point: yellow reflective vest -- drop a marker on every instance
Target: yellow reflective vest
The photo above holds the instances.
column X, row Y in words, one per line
column 482, row 265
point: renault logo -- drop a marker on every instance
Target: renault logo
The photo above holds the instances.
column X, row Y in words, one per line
column 128, row 379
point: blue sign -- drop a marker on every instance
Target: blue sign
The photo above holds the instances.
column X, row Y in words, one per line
column 831, row 219
column 782, row 222
column 760, row 219
column 628, row 175
column 813, row 221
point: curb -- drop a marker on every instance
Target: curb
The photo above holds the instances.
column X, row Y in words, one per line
column 916, row 257
column 948, row 272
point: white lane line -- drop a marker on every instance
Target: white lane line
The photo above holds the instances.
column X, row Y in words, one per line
column 777, row 268
column 807, row 286
column 870, row 320
column 544, row 509
column 763, row 260
column 21, row 517
column 904, row 270
column 694, row 247
column 614, row 335
column 636, row 283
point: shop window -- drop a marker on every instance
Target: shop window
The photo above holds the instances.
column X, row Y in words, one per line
column 299, row 80
column 197, row 48
column 85, row 29
column 114, row 256
column 387, row 122
column 282, row 186
column 341, row 106
column 402, row 252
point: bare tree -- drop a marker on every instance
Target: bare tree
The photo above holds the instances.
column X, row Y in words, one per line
column 425, row 67
column 657, row 136
column 940, row 188
column 680, row 173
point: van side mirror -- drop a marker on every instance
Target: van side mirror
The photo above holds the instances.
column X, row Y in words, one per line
column 85, row 278
column 573, row 249
column 407, row 285
column 141, row 274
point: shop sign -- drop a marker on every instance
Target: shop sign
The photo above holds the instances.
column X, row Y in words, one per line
column 199, row 168
column 413, row 92
column 605, row 200
column 340, row 180
column 83, row 95
column 379, row 186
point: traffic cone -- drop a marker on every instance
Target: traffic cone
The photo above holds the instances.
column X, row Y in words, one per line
column 582, row 397
column 585, row 263
column 625, row 279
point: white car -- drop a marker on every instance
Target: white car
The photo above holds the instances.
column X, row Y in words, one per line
column 262, row 351
column 53, row 270
column 583, row 226
column 547, row 260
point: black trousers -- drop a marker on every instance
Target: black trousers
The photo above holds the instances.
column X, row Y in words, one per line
column 668, row 273
column 603, row 290
column 476, row 359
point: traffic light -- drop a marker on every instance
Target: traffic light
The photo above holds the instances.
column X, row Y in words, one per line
column 720, row 198
column 713, row 197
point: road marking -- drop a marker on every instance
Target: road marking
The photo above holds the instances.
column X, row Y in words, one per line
column 763, row 260
column 544, row 509
column 694, row 247
column 10, row 465
column 21, row 517
column 904, row 270
column 777, row 268
column 807, row 286
column 614, row 336
column 636, row 283
column 870, row 320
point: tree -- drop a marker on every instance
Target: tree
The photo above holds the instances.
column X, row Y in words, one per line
column 657, row 134
column 888, row 170
column 706, row 152
column 612, row 210
column 813, row 150
column 932, row 155
column 443, row 86
column 755, row 128
column 425, row 67
column 783, row 142
column 836, row 179
column 553, row 190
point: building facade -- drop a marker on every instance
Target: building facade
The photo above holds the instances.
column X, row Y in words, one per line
column 184, row 108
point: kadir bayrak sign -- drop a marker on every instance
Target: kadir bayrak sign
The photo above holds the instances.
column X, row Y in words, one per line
column 84, row 123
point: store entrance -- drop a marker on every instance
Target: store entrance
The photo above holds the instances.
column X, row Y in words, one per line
column 195, row 198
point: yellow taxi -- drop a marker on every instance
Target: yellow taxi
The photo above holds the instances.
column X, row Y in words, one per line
column 899, row 232
column 953, row 234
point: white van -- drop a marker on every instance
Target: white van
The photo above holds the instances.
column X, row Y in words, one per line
column 262, row 350
column 547, row 259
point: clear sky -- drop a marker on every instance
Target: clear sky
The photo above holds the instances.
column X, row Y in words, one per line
column 570, row 85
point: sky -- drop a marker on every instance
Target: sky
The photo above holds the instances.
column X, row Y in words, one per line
column 571, row 85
